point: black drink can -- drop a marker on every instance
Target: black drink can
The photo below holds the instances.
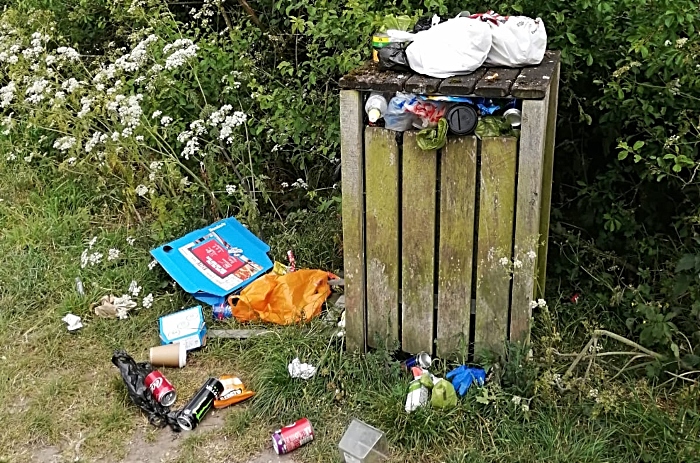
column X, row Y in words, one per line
column 200, row 404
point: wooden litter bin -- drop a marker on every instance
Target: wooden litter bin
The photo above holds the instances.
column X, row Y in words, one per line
column 446, row 249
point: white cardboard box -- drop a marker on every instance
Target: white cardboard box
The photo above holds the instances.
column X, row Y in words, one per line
column 186, row 327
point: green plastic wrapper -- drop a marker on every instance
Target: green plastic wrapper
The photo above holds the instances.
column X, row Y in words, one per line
column 493, row 126
column 444, row 395
column 433, row 138
column 401, row 23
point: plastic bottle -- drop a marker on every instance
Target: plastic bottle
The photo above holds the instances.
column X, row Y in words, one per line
column 375, row 107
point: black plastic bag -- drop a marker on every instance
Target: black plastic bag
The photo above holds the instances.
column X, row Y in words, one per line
column 393, row 58
column 425, row 23
column 134, row 375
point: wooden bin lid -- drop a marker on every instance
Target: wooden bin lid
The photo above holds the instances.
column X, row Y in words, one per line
column 496, row 82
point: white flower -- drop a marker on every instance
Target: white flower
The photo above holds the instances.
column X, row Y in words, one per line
column 152, row 264
column 182, row 50
column 139, row 138
column 667, row 43
column 166, row 120
column 130, row 240
column 285, row 185
column 531, row 255
column 95, row 258
column 142, row 190
column 156, row 114
column 134, row 288
column 147, row 301
column 541, row 303
column 64, row 143
column 533, row 304
column 275, row 148
column 71, row 160
column 230, row 189
column 92, row 242
column 197, row 127
column 96, row 139
column 70, row 85
column 35, row 92
column 593, row 393
column 86, row 102
column 300, row 183
column 7, row 94
column 156, row 165
column 67, row 53
column 100, row 87
column 504, row 261
column 49, row 60
column 113, row 254
column 517, row 263
column 525, row 408
column 681, row 42
column 132, row 61
column 516, row 399
column 185, row 182
column 84, row 258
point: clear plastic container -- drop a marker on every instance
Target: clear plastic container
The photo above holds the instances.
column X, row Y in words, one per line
column 363, row 443
column 375, row 107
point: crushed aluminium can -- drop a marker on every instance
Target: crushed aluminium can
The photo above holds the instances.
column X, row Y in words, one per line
column 422, row 360
column 200, row 404
column 161, row 389
column 293, row 436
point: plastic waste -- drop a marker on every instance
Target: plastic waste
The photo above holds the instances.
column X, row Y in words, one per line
column 397, row 116
column 401, row 22
column 134, row 376
column 493, row 126
column 464, row 376
column 456, row 47
column 444, row 394
column 375, row 107
column 284, row 299
column 516, row 40
column 462, row 119
column 301, row 370
column 392, row 57
column 426, row 22
column 433, row 138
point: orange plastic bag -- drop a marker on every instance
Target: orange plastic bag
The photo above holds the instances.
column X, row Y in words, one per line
column 282, row 299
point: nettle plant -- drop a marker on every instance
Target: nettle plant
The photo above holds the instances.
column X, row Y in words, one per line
column 137, row 120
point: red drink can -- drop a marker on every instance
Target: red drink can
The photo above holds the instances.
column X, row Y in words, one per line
column 293, row 436
column 160, row 388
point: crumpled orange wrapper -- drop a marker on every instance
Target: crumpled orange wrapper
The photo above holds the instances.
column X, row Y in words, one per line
column 283, row 299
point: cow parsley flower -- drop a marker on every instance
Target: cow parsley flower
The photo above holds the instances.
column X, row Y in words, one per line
column 147, row 301
column 142, row 190
column 113, row 254
column 230, row 189
column 64, row 143
column 182, row 50
column 134, row 288
column 166, row 121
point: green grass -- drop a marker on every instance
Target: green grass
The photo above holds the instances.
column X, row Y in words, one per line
column 60, row 389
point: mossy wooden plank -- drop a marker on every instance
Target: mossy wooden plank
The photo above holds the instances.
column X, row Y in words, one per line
column 547, row 182
column 457, row 204
column 418, row 245
column 533, row 82
column 424, row 85
column 370, row 77
column 382, row 235
column 496, row 82
column 352, row 165
column 527, row 215
column 496, row 208
column 461, row 85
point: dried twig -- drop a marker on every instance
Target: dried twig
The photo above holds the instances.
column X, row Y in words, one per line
column 251, row 13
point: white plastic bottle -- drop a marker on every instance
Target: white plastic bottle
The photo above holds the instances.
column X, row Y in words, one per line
column 375, row 107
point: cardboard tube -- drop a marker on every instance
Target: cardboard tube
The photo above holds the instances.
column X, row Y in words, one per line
column 169, row 355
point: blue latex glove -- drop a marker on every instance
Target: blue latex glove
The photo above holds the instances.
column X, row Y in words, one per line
column 463, row 376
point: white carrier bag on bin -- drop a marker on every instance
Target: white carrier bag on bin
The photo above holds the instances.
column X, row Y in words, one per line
column 517, row 40
column 457, row 46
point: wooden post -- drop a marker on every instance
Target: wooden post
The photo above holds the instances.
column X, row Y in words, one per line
column 527, row 221
column 457, row 203
column 352, row 164
column 496, row 208
column 418, row 245
column 547, row 180
column 382, row 222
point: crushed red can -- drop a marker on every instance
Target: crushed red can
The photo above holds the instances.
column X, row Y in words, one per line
column 161, row 389
column 293, row 436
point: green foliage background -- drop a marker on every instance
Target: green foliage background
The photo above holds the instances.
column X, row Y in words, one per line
column 625, row 212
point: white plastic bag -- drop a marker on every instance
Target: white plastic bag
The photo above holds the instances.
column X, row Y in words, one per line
column 457, row 46
column 518, row 41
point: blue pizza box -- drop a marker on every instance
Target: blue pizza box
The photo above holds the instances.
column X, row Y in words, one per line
column 213, row 262
column 185, row 327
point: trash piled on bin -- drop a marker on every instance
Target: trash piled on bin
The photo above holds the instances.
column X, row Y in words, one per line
column 461, row 45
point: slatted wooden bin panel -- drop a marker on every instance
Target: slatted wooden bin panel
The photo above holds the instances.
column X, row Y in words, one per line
column 444, row 250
